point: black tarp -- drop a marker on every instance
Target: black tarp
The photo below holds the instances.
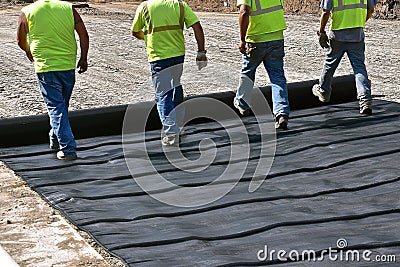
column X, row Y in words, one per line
column 108, row 120
column 335, row 176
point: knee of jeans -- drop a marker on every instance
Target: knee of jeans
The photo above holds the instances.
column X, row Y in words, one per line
column 157, row 98
column 361, row 76
column 247, row 79
column 56, row 112
column 160, row 97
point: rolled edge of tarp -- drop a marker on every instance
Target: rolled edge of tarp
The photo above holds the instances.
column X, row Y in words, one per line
column 105, row 121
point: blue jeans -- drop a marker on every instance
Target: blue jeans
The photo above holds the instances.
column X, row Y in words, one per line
column 271, row 55
column 56, row 88
column 356, row 54
column 166, row 75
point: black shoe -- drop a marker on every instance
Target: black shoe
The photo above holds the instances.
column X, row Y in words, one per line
column 281, row 121
column 54, row 147
column 365, row 110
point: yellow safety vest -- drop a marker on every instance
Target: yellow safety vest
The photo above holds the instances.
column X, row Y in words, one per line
column 163, row 28
column 152, row 29
column 266, row 17
column 51, row 35
column 347, row 14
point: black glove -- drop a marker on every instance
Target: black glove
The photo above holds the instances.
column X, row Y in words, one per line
column 323, row 39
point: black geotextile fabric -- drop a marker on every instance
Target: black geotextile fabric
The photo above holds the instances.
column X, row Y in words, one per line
column 336, row 174
column 108, row 120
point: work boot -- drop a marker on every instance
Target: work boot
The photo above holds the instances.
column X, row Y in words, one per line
column 170, row 140
column 54, row 147
column 242, row 111
column 366, row 110
column 281, row 121
column 62, row 156
column 317, row 91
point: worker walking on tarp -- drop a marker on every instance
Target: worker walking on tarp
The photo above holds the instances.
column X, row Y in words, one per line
column 50, row 26
column 261, row 25
column 346, row 36
column 160, row 23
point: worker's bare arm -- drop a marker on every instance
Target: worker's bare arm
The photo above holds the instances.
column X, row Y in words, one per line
column 22, row 32
column 139, row 35
column 370, row 11
column 83, row 40
column 199, row 35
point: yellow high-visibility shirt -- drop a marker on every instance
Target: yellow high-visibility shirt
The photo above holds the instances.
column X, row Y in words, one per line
column 347, row 14
column 51, row 35
column 164, row 37
column 266, row 21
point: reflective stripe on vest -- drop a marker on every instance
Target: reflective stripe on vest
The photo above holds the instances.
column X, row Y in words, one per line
column 166, row 27
column 266, row 16
column 341, row 7
column 260, row 11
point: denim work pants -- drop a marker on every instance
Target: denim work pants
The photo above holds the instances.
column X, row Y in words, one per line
column 56, row 88
column 356, row 54
column 166, row 76
column 271, row 55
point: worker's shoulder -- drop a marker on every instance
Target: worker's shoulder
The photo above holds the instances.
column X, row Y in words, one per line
column 141, row 6
column 29, row 7
column 162, row 2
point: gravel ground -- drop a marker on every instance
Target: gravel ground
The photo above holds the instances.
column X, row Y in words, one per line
column 119, row 74
column 36, row 235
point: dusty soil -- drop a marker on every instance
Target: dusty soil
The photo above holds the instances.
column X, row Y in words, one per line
column 385, row 9
column 119, row 74
column 37, row 235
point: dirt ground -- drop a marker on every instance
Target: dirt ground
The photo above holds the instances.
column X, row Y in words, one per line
column 119, row 71
column 31, row 231
column 34, row 234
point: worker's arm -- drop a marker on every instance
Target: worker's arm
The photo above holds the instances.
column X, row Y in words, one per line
column 201, row 59
column 199, row 35
column 370, row 11
column 324, row 20
column 323, row 37
column 22, row 32
column 139, row 35
column 244, row 14
column 139, row 22
column 83, row 40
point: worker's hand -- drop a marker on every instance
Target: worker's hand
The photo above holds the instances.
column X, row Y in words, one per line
column 323, row 39
column 242, row 47
column 82, row 65
column 29, row 55
column 245, row 49
column 201, row 59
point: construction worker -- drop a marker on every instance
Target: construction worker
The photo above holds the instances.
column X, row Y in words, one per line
column 50, row 26
column 160, row 23
column 346, row 36
column 261, row 25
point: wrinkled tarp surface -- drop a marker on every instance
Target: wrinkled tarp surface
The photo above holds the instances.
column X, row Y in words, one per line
column 335, row 176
